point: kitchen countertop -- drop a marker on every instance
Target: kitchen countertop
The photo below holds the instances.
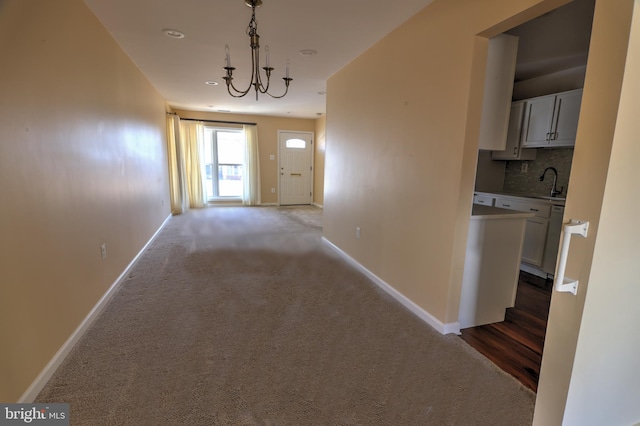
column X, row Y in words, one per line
column 487, row 212
column 540, row 198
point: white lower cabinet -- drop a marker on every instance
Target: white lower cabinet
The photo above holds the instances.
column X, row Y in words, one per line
column 492, row 265
column 483, row 200
column 535, row 236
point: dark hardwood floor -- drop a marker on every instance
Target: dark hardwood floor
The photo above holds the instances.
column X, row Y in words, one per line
column 516, row 344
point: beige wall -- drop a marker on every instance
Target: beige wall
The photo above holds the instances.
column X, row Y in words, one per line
column 402, row 129
column 489, row 173
column 598, row 327
column 267, row 142
column 318, row 161
column 608, row 350
column 82, row 162
column 400, row 164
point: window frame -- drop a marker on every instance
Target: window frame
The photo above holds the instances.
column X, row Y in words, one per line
column 211, row 143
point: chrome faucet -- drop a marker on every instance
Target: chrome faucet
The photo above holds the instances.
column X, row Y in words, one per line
column 554, row 190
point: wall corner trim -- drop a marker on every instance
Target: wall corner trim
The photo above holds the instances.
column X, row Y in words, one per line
column 320, row 206
column 41, row 380
column 448, row 328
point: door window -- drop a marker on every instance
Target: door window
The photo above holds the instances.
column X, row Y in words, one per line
column 296, row 143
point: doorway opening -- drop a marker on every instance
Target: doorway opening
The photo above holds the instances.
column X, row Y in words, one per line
column 550, row 70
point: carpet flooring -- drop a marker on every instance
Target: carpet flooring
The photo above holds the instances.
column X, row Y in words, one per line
column 243, row 316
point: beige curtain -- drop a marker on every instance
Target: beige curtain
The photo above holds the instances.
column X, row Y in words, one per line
column 192, row 139
column 184, row 141
column 251, row 192
column 177, row 177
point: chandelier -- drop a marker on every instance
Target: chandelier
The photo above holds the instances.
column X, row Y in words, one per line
column 256, row 77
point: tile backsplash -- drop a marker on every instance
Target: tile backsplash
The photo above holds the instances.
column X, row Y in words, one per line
column 515, row 180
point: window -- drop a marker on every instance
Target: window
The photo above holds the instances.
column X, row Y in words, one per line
column 296, row 143
column 224, row 162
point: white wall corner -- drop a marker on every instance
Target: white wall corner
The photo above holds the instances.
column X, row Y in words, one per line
column 443, row 328
column 41, row 380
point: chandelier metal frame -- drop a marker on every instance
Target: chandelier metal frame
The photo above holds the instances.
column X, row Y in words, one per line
column 256, row 76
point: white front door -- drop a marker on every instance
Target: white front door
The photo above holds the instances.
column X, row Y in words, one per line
column 295, row 167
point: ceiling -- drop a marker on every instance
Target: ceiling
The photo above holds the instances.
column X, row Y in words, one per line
column 339, row 30
column 555, row 41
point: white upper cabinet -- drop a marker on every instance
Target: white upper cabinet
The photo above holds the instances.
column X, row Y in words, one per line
column 498, row 89
column 565, row 125
column 538, row 119
column 513, row 150
column 552, row 120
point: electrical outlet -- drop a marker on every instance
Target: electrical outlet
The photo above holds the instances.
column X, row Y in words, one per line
column 103, row 251
column 524, row 167
column 357, row 232
column 273, row 190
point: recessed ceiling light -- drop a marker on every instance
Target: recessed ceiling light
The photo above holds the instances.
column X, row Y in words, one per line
column 173, row 33
column 308, row 52
column 211, row 83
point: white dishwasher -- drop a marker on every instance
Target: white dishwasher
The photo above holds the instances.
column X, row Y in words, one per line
column 553, row 240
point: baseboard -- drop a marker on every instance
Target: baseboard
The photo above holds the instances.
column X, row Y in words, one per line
column 36, row 386
column 448, row 328
column 533, row 270
column 277, row 204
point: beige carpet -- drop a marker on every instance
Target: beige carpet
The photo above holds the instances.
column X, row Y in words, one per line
column 242, row 316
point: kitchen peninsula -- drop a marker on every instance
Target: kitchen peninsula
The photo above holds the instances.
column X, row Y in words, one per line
column 492, row 264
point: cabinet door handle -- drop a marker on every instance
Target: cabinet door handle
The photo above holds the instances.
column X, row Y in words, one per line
column 515, row 150
column 534, row 210
column 548, row 136
column 506, row 205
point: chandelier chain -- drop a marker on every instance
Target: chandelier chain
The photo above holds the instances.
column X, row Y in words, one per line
column 253, row 24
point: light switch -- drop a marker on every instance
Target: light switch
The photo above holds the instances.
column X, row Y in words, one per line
column 272, row 157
